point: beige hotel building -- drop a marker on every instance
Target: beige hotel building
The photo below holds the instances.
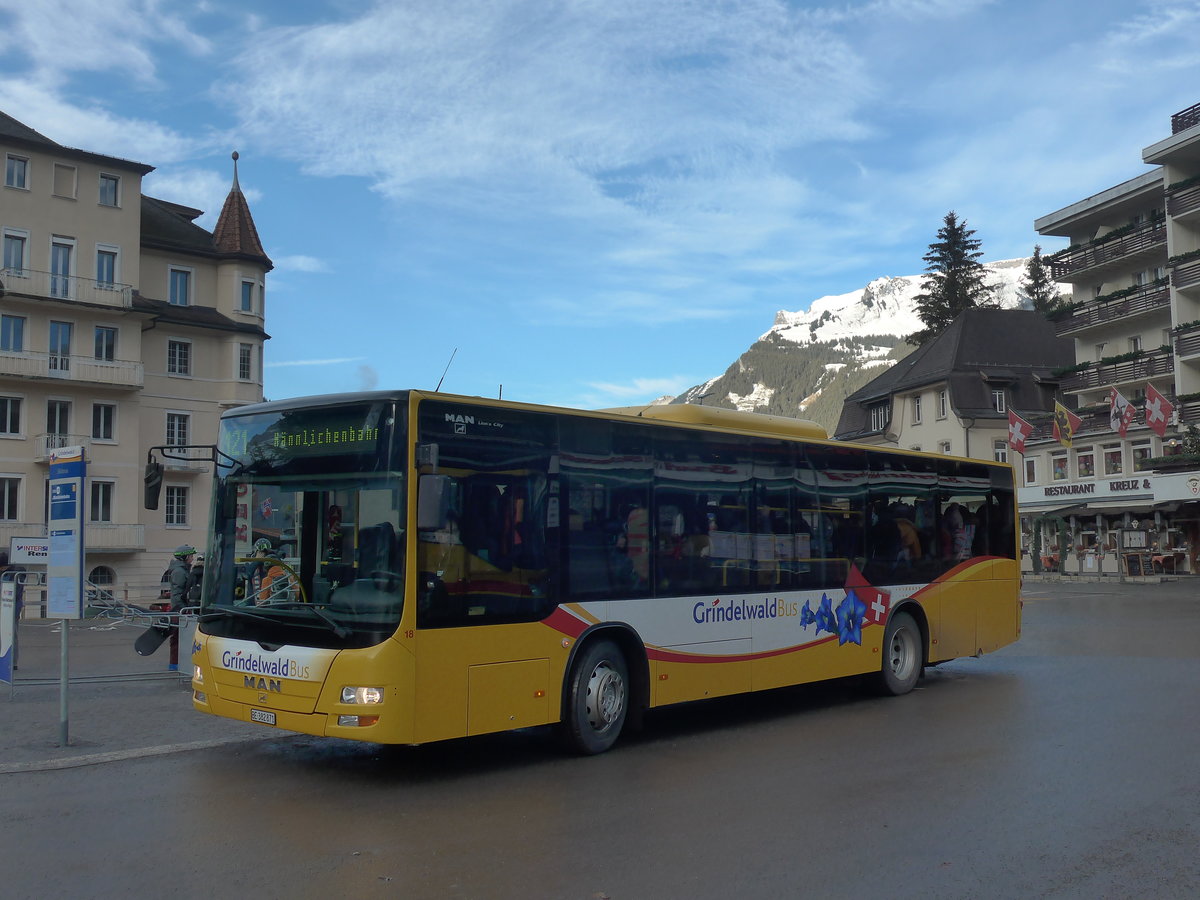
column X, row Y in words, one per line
column 1134, row 268
column 123, row 325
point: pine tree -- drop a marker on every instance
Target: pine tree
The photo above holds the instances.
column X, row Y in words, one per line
column 1038, row 287
column 955, row 279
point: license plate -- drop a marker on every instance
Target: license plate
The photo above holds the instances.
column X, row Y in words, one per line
column 262, row 715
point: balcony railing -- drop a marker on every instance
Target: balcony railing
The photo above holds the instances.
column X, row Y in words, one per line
column 1151, row 298
column 1186, row 276
column 32, row 283
column 98, row 537
column 1187, row 341
column 1189, row 412
column 38, row 364
column 1067, row 265
column 1180, row 203
column 46, row 443
column 1185, row 119
column 1151, row 365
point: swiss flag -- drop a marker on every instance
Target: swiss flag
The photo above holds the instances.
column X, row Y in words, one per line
column 878, row 602
column 1018, row 431
column 1158, row 411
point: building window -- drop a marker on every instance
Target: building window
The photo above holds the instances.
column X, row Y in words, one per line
column 104, row 418
column 1140, row 451
column 16, row 172
column 60, row 346
column 16, row 252
column 245, row 361
column 247, row 296
column 998, row 400
column 1031, row 470
column 62, row 252
column 101, row 507
column 944, row 448
column 916, row 409
column 179, row 286
column 1000, row 451
column 58, row 424
column 176, row 505
column 106, row 343
column 106, row 267
column 1135, row 343
column 12, row 333
column 10, row 415
column 110, row 186
column 879, row 416
column 64, row 181
column 177, row 428
column 10, row 493
column 942, row 405
column 1085, row 463
column 1113, row 459
column 179, row 358
column 1058, row 467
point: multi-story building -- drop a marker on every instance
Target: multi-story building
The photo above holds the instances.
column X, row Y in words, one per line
column 1134, row 268
column 123, row 325
column 952, row 395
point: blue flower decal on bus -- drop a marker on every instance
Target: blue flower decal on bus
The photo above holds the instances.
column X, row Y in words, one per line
column 849, row 619
column 826, row 621
column 806, row 616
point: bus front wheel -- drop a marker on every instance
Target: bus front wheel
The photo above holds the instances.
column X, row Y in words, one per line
column 597, row 699
column 902, row 656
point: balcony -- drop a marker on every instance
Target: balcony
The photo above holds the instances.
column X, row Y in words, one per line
column 47, row 285
column 1186, row 276
column 1187, row 341
column 45, row 444
column 1155, row 364
column 1185, row 119
column 1121, row 249
column 98, row 537
column 1151, row 298
column 118, row 373
column 1184, row 204
column 1189, row 412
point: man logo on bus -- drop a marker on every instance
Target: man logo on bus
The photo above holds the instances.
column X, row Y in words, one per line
column 262, row 684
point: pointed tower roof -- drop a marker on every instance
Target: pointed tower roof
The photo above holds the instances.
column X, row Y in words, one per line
column 235, row 234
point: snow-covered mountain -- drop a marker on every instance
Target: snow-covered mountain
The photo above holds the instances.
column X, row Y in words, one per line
column 811, row 360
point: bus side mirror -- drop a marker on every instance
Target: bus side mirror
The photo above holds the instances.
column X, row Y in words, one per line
column 153, row 484
column 433, row 502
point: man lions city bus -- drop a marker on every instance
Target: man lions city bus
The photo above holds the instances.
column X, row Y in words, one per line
column 411, row 567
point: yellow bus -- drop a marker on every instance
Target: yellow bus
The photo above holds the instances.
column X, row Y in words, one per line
column 409, row 567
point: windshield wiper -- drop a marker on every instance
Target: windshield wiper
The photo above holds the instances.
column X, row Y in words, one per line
column 234, row 611
column 337, row 627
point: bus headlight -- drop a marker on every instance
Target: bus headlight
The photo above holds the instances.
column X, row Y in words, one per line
column 197, row 675
column 362, row 695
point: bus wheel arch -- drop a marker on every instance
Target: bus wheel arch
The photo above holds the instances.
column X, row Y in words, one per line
column 904, row 651
column 605, row 689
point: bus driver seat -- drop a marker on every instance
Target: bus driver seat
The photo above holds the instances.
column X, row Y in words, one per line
column 377, row 585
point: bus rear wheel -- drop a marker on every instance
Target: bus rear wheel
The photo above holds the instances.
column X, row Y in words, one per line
column 597, row 699
column 902, row 656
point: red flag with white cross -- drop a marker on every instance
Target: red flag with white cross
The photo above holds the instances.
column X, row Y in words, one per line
column 877, row 602
column 1018, row 431
column 1158, row 411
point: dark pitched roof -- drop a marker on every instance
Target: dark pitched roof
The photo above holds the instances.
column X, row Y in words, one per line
column 169, row 226
column 20, row 134
column 981, row 349
column 194, row 316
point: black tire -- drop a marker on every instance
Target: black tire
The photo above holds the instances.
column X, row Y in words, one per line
column 597, row 699
column 903, row 657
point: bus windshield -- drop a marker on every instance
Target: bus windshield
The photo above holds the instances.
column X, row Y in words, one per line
column 308, row 538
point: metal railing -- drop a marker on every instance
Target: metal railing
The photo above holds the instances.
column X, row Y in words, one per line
column 1150, row 299
column 1186, row 275
column 1151, row 365
column 1185, row 119
column 39, row 364
column 99, row 537
column 34, row 283
column 1067, row 264
column 1182, row 202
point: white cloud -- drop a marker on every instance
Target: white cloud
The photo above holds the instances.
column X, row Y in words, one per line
column 300, row 263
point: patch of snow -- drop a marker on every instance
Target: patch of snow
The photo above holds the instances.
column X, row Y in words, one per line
column 759, row 397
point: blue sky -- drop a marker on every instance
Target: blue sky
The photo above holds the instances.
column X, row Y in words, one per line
column 596, row 203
